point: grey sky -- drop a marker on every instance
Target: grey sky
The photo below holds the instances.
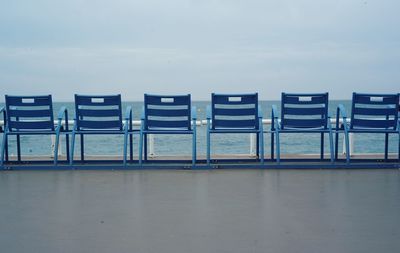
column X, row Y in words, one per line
column 198, row 47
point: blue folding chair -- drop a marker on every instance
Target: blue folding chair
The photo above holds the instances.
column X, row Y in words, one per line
column 167, row 115
column 302, row 113
column 32, row 115
column 235, row 113
column 101, row 115
column 370, row 113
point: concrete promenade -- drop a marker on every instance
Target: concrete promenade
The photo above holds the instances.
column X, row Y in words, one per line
column 173, row 211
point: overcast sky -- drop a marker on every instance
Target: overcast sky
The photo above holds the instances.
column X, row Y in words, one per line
column 198, row 47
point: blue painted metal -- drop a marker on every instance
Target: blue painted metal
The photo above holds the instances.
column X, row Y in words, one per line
column 4, row 149
column 235, row 113
column 370, row 113
column 302, row 113
column 111, row 165
column 98, row 114
column 167, row 114
column 24, row 115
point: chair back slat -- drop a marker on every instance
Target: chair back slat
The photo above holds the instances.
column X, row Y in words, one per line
column 234, row 99
column 29, row 125
column 111, row 100
column 304, row 111
column 98, row 112
column 167, row 100
column 99, row 124
column 305, row 99
column 374, row 111
column 375, row 99
column 304, row 123
column 29, row 112
column 234, row 111
column 235, row 123
column 374, row 123
column 169, row 112
column 167, row 124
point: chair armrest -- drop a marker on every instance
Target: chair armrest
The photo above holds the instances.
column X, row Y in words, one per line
column 274, row 118
column 398, row 125
column 128, row 113
column 208, row 112
column 3, row 110
column 142, row 115
column 194, row 113
column 128, row 118
column 274, row 112
column 341, row 112
column 62, row 113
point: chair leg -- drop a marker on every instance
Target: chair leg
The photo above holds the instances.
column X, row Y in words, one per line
column 278, row 148
column 82, row 148
column 262, row 145
column 71, row 158
column 347, row 144
column 141, row 148
column 322, row 145
column 331, row 146
column 258, row 145
column 3, row 147
column 398, row 152
column 18, row 148
column 56, row 148
column 6, row 150
column 208, row 148
column 386, row 146
column 145, row 146
column 336, row 144
column 131, row 147
column 194, row 149
column 272, row 145
column 67, row 146
column 125, row 146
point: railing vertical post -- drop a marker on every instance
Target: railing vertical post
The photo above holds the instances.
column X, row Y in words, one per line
column 53, row 145
column 253, row 141
column 151, row 145
column 351, row 138
column 351, row 144
column 60, row 147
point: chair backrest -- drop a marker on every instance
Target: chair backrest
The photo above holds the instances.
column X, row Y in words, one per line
column 304, row 111
column 98, row 112
column 169, row 112
column 376, row 111
column 234, row 111
column 29, row 113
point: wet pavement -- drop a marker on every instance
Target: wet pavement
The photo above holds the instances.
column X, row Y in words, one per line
column 200, row 211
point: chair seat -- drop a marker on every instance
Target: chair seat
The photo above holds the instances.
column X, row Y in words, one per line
column 100, row 131
column 230, row 130
column 33, row 132
column 169, row 131
column 304, row 130
column 373, row 131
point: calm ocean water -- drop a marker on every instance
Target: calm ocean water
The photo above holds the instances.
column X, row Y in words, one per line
column 221, row 144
